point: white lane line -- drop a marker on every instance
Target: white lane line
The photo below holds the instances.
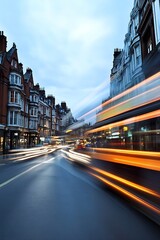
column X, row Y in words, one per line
column 48, row 161
column 21, row 174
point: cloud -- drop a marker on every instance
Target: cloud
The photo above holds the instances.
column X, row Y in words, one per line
column 68, row 44
column 74, row 39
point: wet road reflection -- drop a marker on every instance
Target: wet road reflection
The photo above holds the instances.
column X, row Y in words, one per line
column 54, row 198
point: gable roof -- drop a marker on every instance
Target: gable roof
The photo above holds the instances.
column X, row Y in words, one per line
column 28, row 77
column 12, row 52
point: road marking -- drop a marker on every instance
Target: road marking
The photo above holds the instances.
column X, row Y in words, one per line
column 48, row 161
column 21, row 174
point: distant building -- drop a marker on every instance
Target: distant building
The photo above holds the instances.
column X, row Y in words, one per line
column 66, row 117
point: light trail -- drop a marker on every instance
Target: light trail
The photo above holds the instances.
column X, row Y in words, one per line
column 127, row 193
column 126, row 182
column 77, row 156
column 135, row 161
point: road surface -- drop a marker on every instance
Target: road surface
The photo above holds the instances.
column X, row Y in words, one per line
column 52, row 198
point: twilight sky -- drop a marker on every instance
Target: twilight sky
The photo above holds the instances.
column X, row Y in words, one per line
column 68, row 44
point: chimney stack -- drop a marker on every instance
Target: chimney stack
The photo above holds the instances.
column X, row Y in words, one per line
column 3, row 42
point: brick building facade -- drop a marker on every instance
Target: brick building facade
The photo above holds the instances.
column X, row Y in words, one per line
column 27, row 116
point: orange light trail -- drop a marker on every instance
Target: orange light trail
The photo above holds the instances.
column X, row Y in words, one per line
column 142, row 117
column 150, row 163
column 129, row 152
column 124, row 181
column 130, row 195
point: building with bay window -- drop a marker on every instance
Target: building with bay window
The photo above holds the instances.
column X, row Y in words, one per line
column 27, row 116
column 139, row 58
column 127, row 62
column 134, row 83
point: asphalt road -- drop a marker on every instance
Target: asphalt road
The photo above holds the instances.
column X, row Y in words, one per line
column 51, row 198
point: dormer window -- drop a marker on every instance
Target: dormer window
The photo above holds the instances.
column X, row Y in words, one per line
column 14, row 63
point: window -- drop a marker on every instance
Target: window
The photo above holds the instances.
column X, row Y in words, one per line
column 26, row 108
column 33, row 124
column 12, row 79
column 15, row 79
column 35, row 111
column 26, row 122
column 11, row 99
column 35, row 99
column 22, row 121
column 133, row 62
column 14, row 97
column 149, row 45
column 14, row 63
column 137, row 55
column 13, row 118
column 41, row 122
column 32, row 111
column 22, row 104
column 148, row 41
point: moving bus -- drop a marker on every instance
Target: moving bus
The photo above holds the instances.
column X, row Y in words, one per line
column 125, row 145
column 130, row 120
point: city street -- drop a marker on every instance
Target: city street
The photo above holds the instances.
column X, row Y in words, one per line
column 52, row 198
